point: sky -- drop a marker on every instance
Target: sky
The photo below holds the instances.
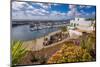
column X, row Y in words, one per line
column 50, row 11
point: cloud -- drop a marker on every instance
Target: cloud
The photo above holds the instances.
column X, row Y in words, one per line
column 40, row 11
column 87, row 14
column 56, row 13
column 88, row 6
column 82, row 11
column 73, row 12
column 93, row 14
column 84, row 6
column 25, row 10
column 44, row 5
column 70, row 13
column 21, row 5
column 16, row 5
column 37, row 11
column 72, row 6
column 55, row 4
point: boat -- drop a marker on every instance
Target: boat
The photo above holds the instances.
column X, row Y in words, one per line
column 32, row 27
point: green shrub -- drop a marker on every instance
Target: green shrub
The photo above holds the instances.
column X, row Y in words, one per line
column 88, row 42
column 63, row 28
column 87, row 57
column 43, row 59
column 17, row 51
column 34, row 59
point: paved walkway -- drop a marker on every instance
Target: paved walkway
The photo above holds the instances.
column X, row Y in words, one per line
column 56, row 43
column 37, row 44
column 33, row 46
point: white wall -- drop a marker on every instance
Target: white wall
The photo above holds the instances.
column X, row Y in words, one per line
column 84, row 23
column 79, row 19
column 81, row 22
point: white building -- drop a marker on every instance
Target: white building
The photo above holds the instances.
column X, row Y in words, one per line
column 80, row 22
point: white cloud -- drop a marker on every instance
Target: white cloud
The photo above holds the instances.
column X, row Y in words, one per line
column 16, row 5
column 82, row 11
column 39, row 11
column 18, row 14
column 64, row 13
column 44, row 5
column 70, row 13
column 30, row 7
column 82, row 6
column 56, row 13
column 72, row 6
column 44, row 11
column 24, row 12
column 87, row 14
column 23, row 9
column 78, row 14
column 88, row 6
column 73, row 12
column 93, row 13
column 21, row 5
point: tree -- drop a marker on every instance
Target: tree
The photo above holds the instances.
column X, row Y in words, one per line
column 92, row 19
column 63, row 28
column 88, row 42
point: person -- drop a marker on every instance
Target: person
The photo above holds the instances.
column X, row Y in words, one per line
column 45, row 41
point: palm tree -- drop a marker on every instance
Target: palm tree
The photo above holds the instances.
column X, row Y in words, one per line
column 88, row 42
column 17, row 52
column 64, row 29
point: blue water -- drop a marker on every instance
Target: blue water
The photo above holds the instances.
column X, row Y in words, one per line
column 24, row 33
